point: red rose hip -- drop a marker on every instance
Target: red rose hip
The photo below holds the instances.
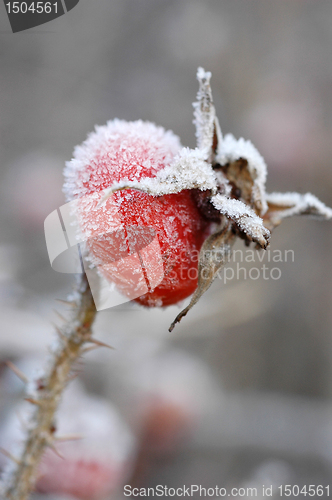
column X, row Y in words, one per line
column 147, row 245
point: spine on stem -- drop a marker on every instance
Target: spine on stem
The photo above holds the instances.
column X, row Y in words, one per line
column 20, row 476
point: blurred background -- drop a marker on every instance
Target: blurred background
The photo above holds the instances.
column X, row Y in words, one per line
column 240, row 394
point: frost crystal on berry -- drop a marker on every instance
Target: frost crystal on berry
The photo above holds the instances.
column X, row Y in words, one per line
column 196, row 199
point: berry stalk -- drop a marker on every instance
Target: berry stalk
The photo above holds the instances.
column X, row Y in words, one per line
column 21, row 475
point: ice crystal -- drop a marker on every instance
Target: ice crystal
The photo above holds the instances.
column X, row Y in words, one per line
column 114, row 147
column 231, row 150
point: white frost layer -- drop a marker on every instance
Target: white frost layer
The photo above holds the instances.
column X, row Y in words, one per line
column 299, row 204
column 202, row 74
column 106, row 140
column 244, row 217
column 189, row 170
column 232, row 149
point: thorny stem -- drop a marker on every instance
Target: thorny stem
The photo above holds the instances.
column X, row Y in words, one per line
column 73, row 335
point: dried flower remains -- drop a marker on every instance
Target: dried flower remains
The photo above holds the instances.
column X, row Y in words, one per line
column 226, row 178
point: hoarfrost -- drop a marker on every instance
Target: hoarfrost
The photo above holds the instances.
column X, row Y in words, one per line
column 205, row 119
column 244, row 217
column 115, row 147
column 141, row 156
column 232, row 149
column 189, row 170
column 289, row 204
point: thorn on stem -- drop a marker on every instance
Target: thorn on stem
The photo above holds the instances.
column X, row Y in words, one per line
column 10, row 456
column 53, row 448
column 101, row 344
column 72, row 377
column 60, row 315
column 59, row 332
column 22, row 422
column 88, row 349
column 70, row 437
column 70, row 303
column 33, row 401
column 17, row 372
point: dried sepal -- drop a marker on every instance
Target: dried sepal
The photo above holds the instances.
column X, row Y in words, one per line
column 208, row 133
column 244, row 218
column 245, row 168
column 282, row 205
column 212, row 257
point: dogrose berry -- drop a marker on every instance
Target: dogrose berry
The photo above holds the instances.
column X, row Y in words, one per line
column 160, row 202
column 143, row 244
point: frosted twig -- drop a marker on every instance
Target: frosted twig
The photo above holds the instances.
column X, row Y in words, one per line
column 20, row 475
